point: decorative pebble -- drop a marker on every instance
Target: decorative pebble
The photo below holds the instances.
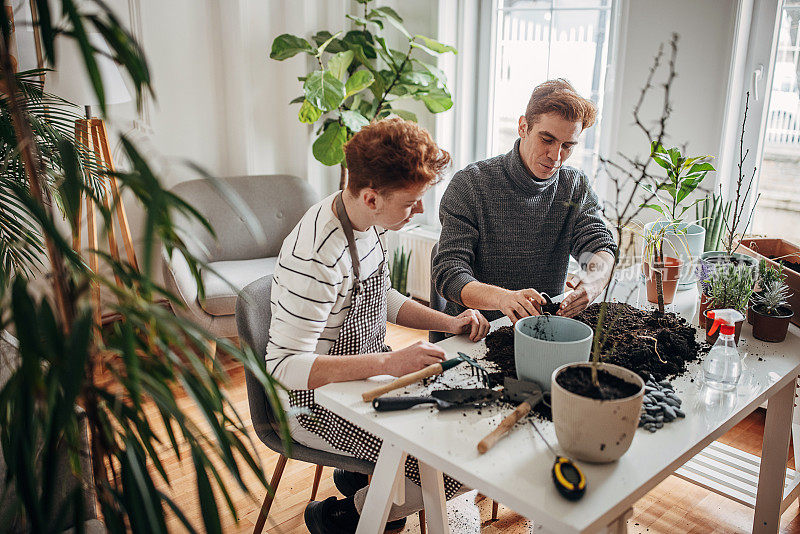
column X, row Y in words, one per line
column 660, row 404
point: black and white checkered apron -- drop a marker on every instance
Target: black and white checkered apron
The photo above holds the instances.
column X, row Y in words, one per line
column 363, row 332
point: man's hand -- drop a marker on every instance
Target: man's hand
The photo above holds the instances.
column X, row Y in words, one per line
column 521, row 303
column 577, row 301
column 413, row 358
column 470, row 322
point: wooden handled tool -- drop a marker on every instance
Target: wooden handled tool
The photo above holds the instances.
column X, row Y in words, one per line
column 431, row 370
column 516, row 390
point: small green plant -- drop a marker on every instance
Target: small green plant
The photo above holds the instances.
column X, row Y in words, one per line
column 731, row 286
column 684, row 175
column 398, row 274
column 712, row 217
column 774, row 295
column 767, row 274
column 358, row 78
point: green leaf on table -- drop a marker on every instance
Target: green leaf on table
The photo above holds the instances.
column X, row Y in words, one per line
column 309, row 113
column 406, row 115
column 327, row 149
column 287, row 45
column 434, row 45
column 339, row 63
column 354, row 120
column 360, row 80
column 324, row 90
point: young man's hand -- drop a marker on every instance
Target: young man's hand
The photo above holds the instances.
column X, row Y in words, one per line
column 470, row 322
column 577, row 301
column 521, row 303
column 413, row 358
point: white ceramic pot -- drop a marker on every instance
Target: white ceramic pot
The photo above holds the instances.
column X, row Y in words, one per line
column 596, row 430
column 687, row 245
column 544, row 342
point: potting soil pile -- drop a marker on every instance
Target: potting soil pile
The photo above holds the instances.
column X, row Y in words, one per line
column 646, row 342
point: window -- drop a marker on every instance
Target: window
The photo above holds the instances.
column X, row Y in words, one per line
column 537, row 40
column 778, row 210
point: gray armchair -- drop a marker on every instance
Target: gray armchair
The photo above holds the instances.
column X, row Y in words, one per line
column 278, row 202
column 253, row 315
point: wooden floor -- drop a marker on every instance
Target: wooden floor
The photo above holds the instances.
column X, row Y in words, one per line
column 675, row 506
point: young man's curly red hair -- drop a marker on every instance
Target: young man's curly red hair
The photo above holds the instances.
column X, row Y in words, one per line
column 393, row 154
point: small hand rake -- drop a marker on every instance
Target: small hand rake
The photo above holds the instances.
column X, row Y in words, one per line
column 435, row 369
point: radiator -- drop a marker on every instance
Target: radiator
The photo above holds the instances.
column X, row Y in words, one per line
column 420, row 240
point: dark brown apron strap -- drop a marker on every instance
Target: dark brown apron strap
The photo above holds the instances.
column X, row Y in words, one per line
column 341, row 213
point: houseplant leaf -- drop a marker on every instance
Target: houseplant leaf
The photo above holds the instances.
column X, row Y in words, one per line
column 353, row 120
column 309, row 113
column 324, row 90
column 339, row 63
column 287, row 45
column 406, row 115
column 327, row 149
column 437, row 102
column 435, row 46
column 359, row 81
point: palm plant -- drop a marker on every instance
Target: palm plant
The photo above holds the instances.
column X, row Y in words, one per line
column 151, row 355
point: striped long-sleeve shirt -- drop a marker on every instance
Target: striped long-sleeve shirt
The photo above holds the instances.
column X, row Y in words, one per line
column 312, row 288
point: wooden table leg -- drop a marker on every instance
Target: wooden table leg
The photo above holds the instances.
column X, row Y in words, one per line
column 432, row 482
column 389, row 467
column 774, row 453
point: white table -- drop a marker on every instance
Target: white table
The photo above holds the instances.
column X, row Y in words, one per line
column 516, row 472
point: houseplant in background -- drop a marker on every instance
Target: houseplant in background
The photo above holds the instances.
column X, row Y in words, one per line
column 147, row 361
column 398, row 274
column 711, row 217
column 767, row 274
column 771, row 311
column 661, row 271
column 730, row 286
column 673, row 199
column 358, row 78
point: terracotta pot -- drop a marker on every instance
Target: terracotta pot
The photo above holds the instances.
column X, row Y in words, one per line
column 595, row 430
column 670, row 269
column 701, row 317
column 771, row 328
column 765, row 247
column 711, row 339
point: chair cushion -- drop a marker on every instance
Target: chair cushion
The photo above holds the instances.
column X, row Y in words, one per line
column 220, row 297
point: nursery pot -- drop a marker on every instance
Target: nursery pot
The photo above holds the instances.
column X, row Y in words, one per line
column 711, row 339
column 771, row 328
column 544, row 342
column 596, row 430
column 687, row 245
column 719, row 257
column 670, row 273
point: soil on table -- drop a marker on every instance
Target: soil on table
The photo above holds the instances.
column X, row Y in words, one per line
column 578, row 380
column 631, row 341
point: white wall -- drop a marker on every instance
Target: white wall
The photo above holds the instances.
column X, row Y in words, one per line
column 706, row 31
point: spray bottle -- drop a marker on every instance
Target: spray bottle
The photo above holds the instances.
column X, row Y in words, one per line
column 723, row 365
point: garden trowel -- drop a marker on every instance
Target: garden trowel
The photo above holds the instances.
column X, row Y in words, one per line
column 528, row 394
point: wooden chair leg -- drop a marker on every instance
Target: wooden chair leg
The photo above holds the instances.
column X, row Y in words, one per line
column 422, row 524
column 494, row 510
column 315, row 487
column 273, row 485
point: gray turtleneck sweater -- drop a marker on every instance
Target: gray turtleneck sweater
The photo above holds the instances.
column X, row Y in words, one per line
column 502, row 226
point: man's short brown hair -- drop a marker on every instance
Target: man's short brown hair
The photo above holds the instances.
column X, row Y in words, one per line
column 558, row 96
column 393, row 154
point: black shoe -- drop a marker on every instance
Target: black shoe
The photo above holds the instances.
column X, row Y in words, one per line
column 349, row 482
column 333, row 516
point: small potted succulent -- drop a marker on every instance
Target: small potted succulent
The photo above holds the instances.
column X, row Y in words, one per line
column 767, row 274
column 729, row 286
column 771, row 312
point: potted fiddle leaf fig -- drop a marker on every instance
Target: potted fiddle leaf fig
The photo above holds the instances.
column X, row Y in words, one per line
column 358, row 78
column 771, row 312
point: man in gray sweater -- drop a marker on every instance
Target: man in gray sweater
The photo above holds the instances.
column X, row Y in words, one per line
column 510, row 223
